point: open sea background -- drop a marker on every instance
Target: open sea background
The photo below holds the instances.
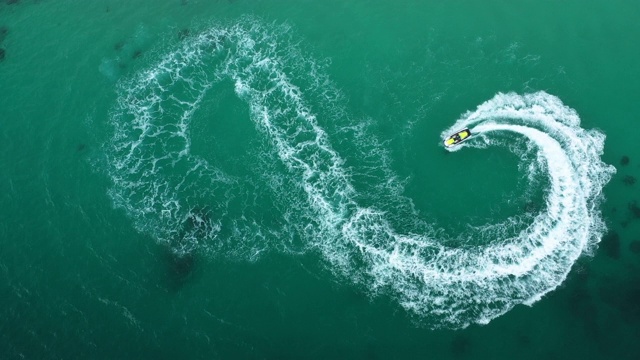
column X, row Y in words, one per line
column 109, row 249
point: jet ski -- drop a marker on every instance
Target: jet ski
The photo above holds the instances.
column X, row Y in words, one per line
column 457, row 138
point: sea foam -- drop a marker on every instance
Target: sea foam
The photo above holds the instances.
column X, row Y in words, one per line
column 159, row 182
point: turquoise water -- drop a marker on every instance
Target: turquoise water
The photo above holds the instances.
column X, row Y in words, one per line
column 242, row 179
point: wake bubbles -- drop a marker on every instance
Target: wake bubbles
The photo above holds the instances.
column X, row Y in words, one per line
column 184, row 201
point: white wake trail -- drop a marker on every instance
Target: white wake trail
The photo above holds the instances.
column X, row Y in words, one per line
column 161, row 184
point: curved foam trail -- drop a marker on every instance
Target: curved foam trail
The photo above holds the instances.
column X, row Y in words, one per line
column 156, row 180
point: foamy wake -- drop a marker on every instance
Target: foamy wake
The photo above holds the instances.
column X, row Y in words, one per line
column 155, row 178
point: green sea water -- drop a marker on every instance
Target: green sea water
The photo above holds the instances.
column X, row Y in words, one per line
column 266, row 180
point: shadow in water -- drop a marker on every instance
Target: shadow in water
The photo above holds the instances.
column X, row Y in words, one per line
column 624, row 160
column 181, row 257
column 3, row 32
column 634, row 209
column 531, row 207
column 629, row 180
column 180, row 269
column 610, row 244
column 581, row 304
column 624, row 296
column 460, row 346
column 184, row 34
column 634, row 247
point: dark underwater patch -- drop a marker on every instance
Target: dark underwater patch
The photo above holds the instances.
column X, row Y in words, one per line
column 81, row 147
column 634, row 247
column 198, row 222
column 371, row 352
column 580, row 300
column 629, row 180
column 581, row 273
column 460, row 346
column 118, row 46
column 624, row 296
column 531, row 207
column 582, row 307
column 2, row 54
column 4, row 31
column 523, row 340
column 183, row 34
column 624, row 160
column 180, row 269
column 610, row 244
column 181, row 264
column 634, row 208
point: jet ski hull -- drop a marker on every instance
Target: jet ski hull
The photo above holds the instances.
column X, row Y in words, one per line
column 457, row 138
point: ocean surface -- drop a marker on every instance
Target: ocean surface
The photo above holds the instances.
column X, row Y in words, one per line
column 251, row 179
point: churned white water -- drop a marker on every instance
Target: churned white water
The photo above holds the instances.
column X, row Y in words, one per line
column 162, row 186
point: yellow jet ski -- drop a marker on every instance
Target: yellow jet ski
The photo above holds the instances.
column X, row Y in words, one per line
column 457, row 138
